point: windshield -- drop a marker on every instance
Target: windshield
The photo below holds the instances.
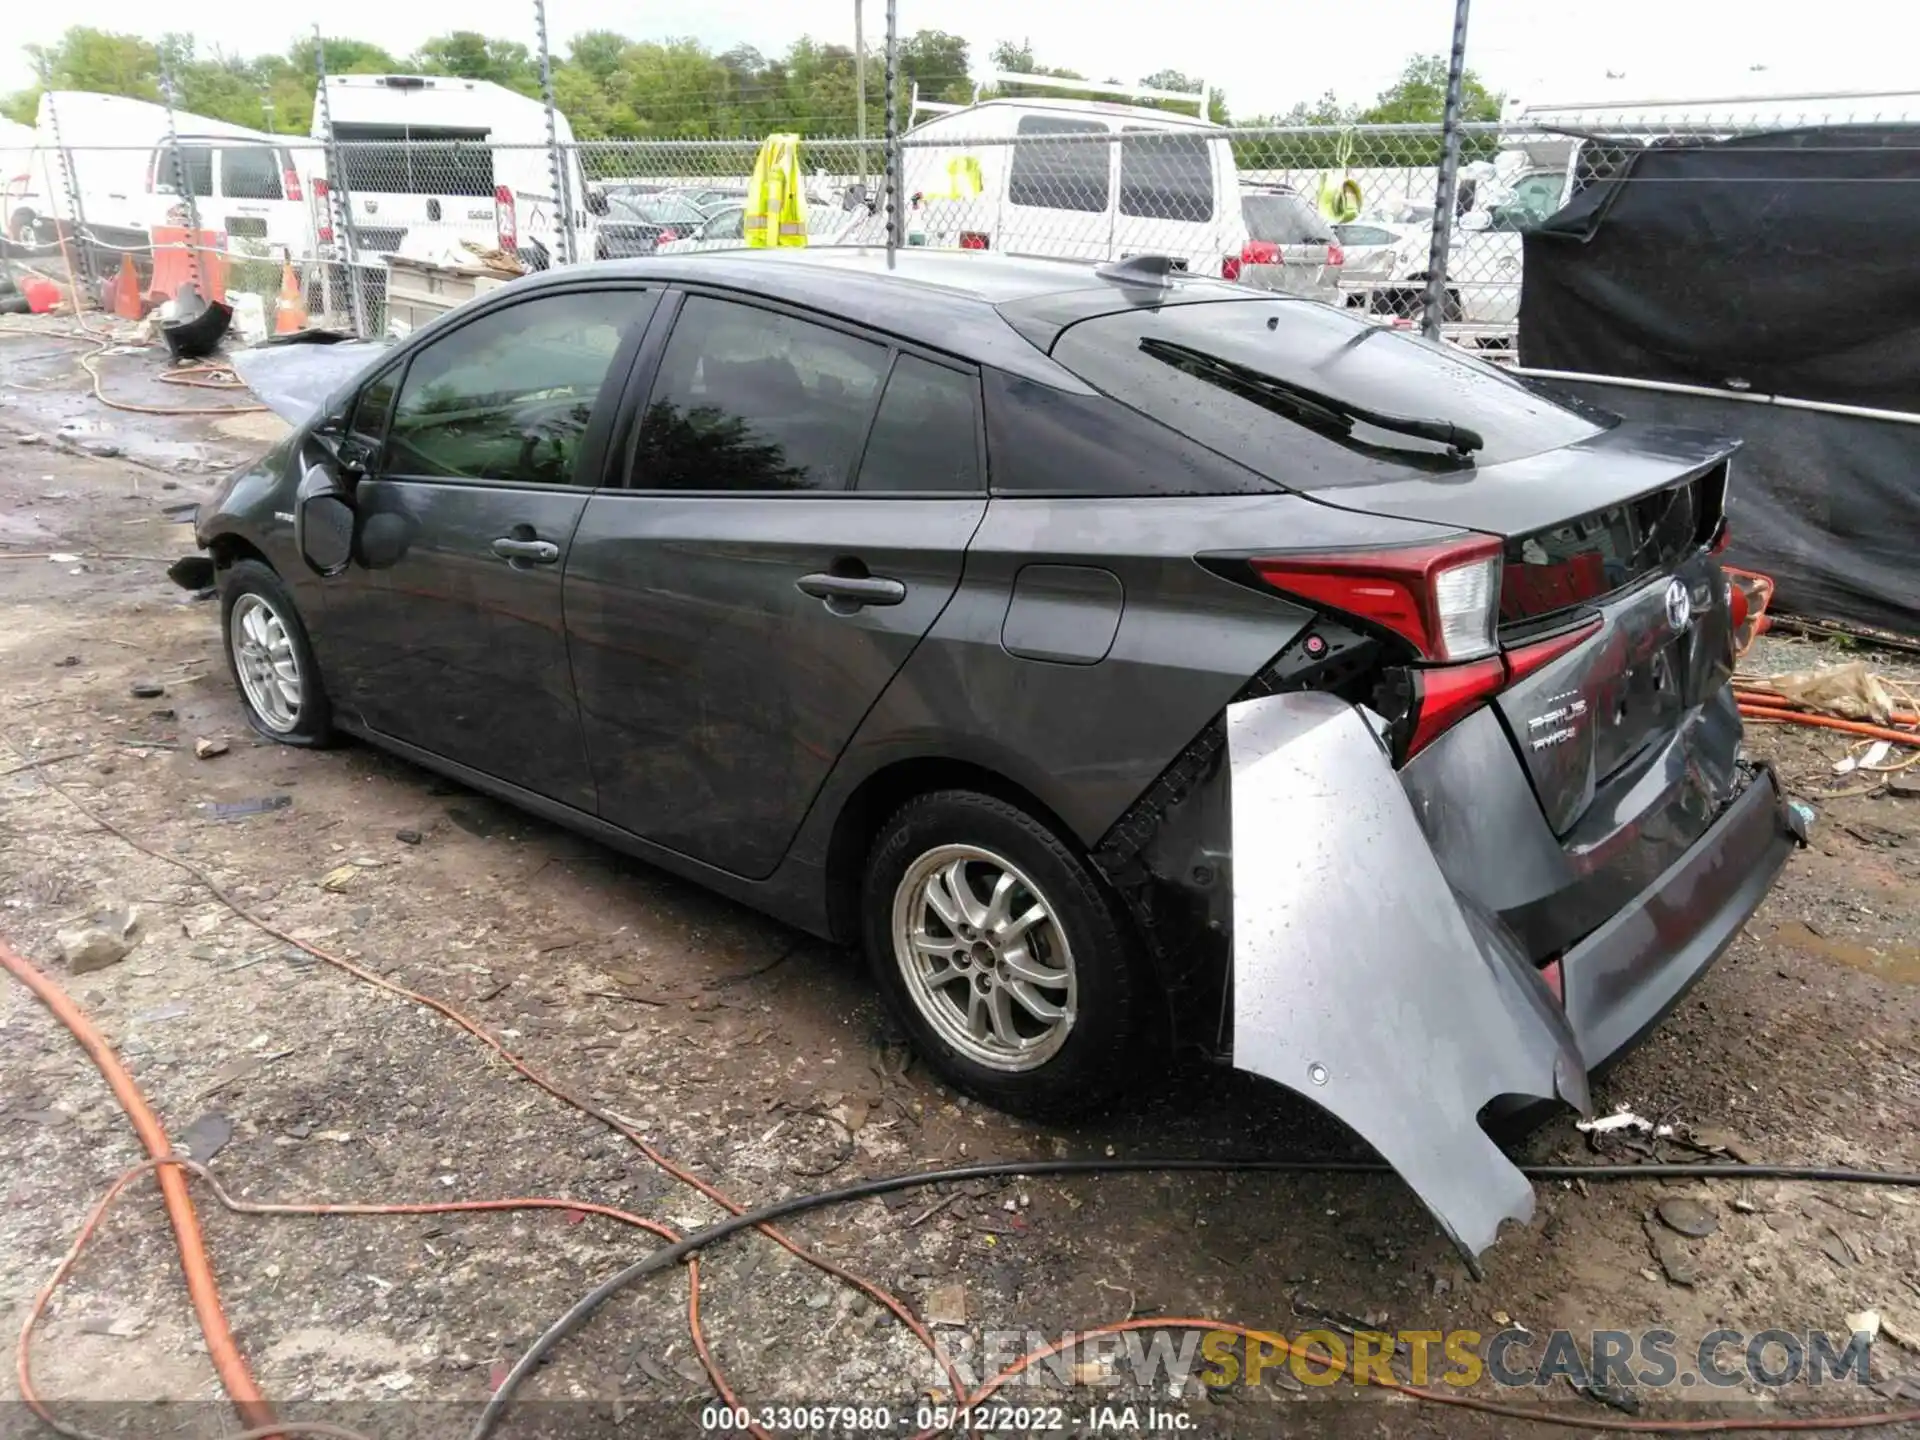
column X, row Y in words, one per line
column 1283, row 220
column 1314, row 348
column 654, row 209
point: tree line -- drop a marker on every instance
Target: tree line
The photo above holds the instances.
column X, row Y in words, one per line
column 610, row 86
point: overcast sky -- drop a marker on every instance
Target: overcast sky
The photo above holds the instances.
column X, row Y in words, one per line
column 1266, row 54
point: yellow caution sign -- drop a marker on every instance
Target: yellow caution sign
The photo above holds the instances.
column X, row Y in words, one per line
column 776, row 212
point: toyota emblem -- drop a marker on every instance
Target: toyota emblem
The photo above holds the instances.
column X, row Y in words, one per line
column 1679, row 605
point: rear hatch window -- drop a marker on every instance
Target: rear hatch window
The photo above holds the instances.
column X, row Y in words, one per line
column 1132, row 356
column 1284, row 220
column 415, row 159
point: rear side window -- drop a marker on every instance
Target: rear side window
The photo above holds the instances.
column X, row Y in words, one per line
column 749, row 399
column 1283, row 220
column 198, row 160
column 926, row 434
column 1358, row 235
column 509, row 396
column 1061, row 175
column 1165, row 175
column 250, row 172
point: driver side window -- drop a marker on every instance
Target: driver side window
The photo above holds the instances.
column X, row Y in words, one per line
column 509, row 396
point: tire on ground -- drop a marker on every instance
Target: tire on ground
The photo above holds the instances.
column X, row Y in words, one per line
column 1119, row 1018
column 313, row 721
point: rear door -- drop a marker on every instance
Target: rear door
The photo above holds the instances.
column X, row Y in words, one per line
column 253, row 203
column 799, row 502
column 448, row 626
column 1166, row 202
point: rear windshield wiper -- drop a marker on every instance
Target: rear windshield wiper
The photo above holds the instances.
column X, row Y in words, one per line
column 1310, row 407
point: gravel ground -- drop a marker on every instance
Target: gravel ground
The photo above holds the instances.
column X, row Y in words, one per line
column 760, row 1059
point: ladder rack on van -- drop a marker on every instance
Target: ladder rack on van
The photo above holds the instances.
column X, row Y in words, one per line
column 1201, row 99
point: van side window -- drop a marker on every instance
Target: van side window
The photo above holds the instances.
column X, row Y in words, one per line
column 1165, row 175
column 249, row 172
column 1067, row 175
column 198, row 160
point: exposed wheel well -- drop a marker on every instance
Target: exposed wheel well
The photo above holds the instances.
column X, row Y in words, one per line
column 874, row 802
column 227, row 549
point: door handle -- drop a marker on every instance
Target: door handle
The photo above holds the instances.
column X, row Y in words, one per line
column 845, row 593
column 526, row 552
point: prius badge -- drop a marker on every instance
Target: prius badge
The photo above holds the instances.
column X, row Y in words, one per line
column 1679, row 605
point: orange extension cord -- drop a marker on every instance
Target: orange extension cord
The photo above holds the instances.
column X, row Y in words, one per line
column 253, row 1406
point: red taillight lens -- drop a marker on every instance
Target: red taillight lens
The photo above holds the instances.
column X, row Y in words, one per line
column 1229, row 267
column 504, row 220
column 1523, row 660
column 290, row 178
column 666, row 235
column 974, row 240
column 1335, row 255
column 322, row 211
column 1260, row 252
column 1440, row 599
column 1445, row 694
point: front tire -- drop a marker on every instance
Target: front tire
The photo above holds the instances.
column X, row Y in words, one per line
column 271, row 659
column 1009, row 963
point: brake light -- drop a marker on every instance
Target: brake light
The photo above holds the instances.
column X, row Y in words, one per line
column 1523, row 660
column 290, row 178
column 1229, row 267
column 974, row 240
column 666, row 235
column 322, row 211
column 1446, row 694
column 504, row 220
column 1335, row 255
column 1260, row 252
column 1441, row 599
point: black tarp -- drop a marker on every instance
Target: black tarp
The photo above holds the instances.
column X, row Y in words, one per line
column 1783, row 264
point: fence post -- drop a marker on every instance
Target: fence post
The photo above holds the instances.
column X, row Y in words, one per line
column 184, row 182
column 1433, row 309
column 896, row 218
column 76, row 237
column 557, row 162
column 860, row 85
column 339, row 198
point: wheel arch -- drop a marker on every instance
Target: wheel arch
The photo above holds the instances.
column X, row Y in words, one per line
column 880, row 795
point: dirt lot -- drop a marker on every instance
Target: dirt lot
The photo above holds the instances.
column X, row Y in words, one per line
column 759, row 1059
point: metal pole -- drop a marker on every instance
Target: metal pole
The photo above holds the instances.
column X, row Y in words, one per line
column 896, row 218
column 77, row 229
column 339, row 197
column 556, row 160
column 1433, row 308
column 860, row 85
column 184, row 182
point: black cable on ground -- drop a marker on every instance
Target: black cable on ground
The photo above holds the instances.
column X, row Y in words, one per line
column 583, row 1308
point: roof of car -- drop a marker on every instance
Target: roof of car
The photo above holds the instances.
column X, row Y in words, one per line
column 962, row 302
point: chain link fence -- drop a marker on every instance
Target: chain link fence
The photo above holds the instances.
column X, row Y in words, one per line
column 1343, row 215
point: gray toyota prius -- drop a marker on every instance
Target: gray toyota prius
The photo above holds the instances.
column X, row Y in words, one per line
column 1128, row 662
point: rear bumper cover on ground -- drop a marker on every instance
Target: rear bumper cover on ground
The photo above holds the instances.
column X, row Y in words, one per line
column 1365, row 982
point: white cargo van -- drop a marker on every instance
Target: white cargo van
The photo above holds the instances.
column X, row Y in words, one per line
column 444, row 160
column 1164, row 183
column 244, row 182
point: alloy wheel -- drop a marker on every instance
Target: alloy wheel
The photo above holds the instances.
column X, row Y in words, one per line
column 265, row 661
column 984, row 958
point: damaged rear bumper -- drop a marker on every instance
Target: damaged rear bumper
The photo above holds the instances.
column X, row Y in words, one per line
column 1366, row 982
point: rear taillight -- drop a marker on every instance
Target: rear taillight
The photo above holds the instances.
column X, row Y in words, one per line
column 290, row 178
column 1335, row 255
column 1441, row 599
column 504, row 220
column 1260, row 252
column 322, row 211
column 974, row 240
column 1229, row 267
column 666, row 235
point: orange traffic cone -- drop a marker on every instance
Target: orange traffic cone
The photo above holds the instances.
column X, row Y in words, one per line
column 127, row 301
column 290, row 313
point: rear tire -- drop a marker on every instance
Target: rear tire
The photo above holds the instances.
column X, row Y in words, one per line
column 271, row 659
column 1010, row 964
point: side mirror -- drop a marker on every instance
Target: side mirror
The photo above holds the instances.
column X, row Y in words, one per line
column 323, row 522
column 854, row 197
column 1476, row 220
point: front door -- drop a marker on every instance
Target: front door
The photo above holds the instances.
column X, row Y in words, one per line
column 450, row 619
column 798, row 512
